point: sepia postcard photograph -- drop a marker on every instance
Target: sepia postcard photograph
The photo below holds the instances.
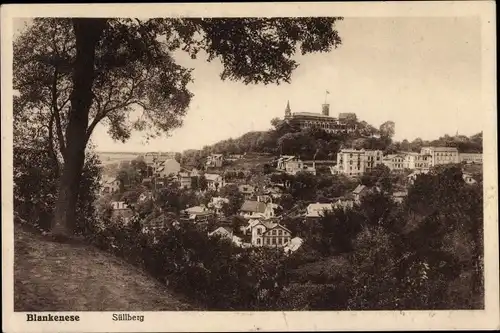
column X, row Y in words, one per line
column 249, row 166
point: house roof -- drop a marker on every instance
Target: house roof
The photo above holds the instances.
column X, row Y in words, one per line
column 442, row 148
column 195, row 210
column 271, row 226
column 246, row 188
column 360, row 188
column 294, row 244
column 253, row 206
column 212, row 176
column 314, row 210
column 223, row 229
column 312, row 114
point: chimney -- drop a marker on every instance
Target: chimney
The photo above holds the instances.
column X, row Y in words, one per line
column 325, row 109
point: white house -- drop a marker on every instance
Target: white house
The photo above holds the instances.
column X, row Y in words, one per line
column 467, row 177
column 122, row 210
column 441, row 155
column 316, row 210
column 265, row 233
column 395, row 162
column 198, row 213
column 471, row 158
column 110, row 185
column 294, row 244
column 215, row 160
column 217, row 203
column 214, row 181
column 257, row 210
column 343, row 203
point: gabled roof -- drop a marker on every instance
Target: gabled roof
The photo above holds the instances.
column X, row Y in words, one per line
column 360, row 188
column 273, row 226
column 253, row 206
column 222, row 229
column 212, row 176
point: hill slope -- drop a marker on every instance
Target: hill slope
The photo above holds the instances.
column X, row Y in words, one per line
column 51, row 276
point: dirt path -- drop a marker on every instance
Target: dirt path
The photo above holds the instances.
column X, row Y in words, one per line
column 51, row 276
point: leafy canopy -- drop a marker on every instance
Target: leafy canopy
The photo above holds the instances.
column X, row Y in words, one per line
column 136, row 67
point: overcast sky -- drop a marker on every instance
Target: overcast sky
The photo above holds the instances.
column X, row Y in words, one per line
column 422, row 73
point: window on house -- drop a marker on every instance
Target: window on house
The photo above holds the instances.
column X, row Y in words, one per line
column 274, row 241
column 258, row 241
column 279, row 240
column 280, row 232
column 268, row 241
column 259, row 231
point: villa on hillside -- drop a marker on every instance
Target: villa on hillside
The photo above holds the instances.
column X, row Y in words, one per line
column 345, row 123
column 215, row 160
column 395, row 162
column 198, row 213
column 269, row 234
column 256, row 209
column 110, row 185
column 248, row 191
column 121, row 210
column 214, row 181
column 471, row 158
column 226, row 233
column 292, row 165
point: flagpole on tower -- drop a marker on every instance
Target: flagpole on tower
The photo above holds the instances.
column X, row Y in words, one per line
column 326, row 95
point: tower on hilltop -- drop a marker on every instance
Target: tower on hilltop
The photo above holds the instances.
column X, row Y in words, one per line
column 288, row 111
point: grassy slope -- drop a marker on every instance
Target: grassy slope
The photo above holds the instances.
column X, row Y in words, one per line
column 52, row 276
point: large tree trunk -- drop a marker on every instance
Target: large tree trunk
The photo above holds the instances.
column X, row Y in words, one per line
column 87, row 33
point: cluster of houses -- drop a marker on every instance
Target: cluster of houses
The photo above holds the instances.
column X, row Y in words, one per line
column 259, row 209
column 355, row 162
column 218, row 160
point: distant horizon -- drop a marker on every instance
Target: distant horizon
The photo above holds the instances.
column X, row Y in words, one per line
column 181, row 151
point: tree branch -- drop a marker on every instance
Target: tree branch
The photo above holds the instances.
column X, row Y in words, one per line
column 101, row 114
column 51, row 144
column 55, row 112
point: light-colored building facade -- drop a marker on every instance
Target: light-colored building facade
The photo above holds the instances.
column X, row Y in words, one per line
column 292, row 165
column 214, row 181
column 416, row 161
column 395, row 162
column 441, row 155
column 215, row 160
column 354, row 162
column 110, row 186
column 268, row 234
column 305, row 120
column 471, row 158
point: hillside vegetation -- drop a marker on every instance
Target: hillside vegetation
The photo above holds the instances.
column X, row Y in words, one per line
column 315, row 143
column 52, row 276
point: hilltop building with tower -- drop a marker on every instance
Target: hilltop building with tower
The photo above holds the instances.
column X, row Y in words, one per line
column 345, row 123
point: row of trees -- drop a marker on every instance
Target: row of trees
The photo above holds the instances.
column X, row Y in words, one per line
column 75, row 73
column 424, row 254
